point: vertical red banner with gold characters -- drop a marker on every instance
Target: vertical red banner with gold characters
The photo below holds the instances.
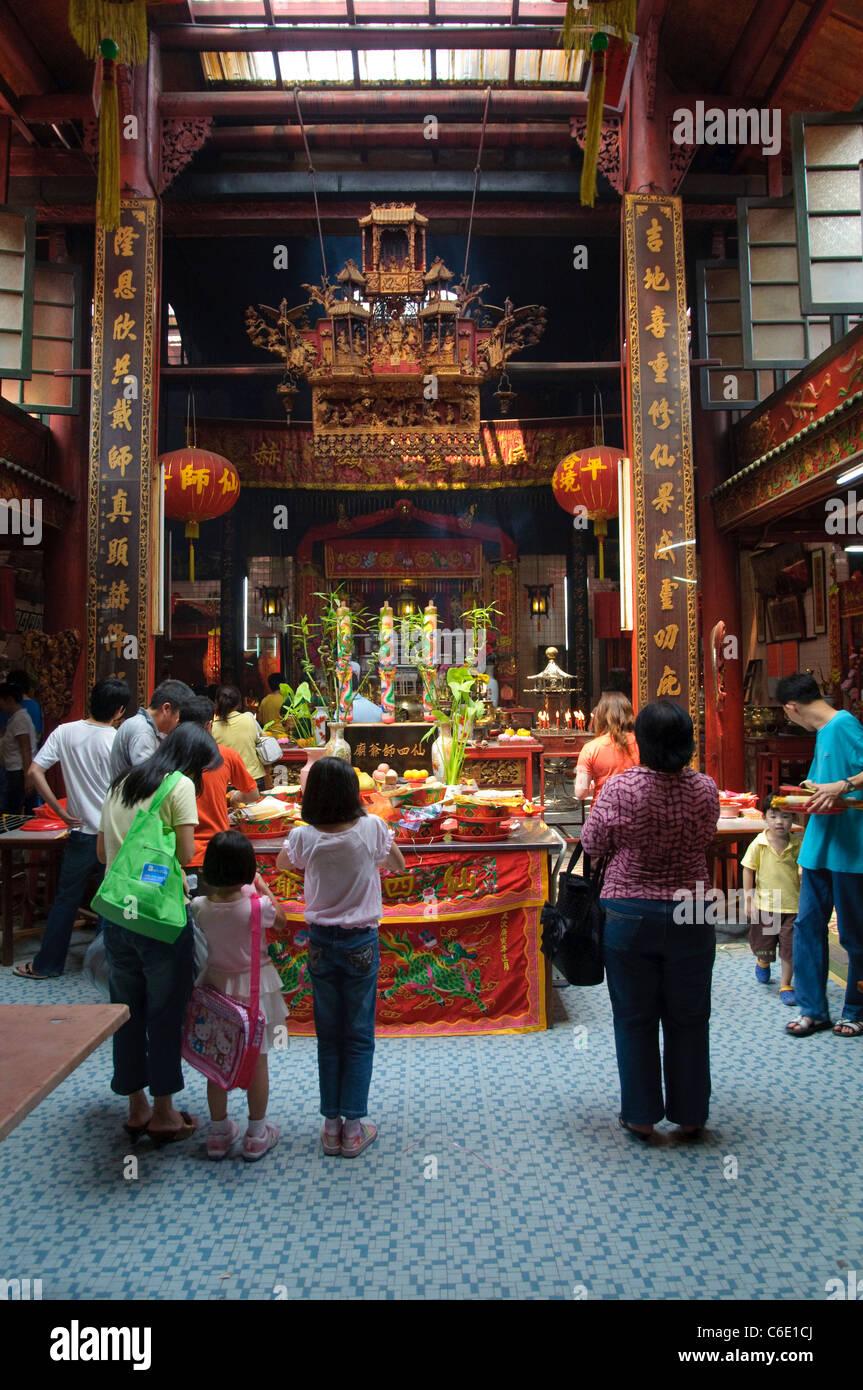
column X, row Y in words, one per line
column 123, row 507
column 665, row 636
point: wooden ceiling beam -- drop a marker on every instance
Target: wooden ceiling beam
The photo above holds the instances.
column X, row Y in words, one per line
column 755, row 42
column 817, row 17
column 20, row 64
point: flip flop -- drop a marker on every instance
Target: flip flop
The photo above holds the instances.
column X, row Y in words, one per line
column 854, row 1025
column 26, row 972
column 174, row 1136
column 814, row 1026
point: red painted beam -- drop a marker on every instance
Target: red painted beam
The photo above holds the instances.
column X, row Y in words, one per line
column 214, row 38
column 450, row 136
column 351, row 105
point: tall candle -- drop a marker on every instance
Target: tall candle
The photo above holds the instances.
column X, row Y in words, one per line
column 387, row 629
column 343, row 616
column 388, row 698
column 429, row 634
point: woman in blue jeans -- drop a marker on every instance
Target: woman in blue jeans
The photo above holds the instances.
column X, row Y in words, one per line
column 657, row 822
column 153, row 977
column 340, row 850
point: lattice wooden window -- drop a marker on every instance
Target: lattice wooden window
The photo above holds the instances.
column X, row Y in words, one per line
column 776, row 331
column 827, row 151
column 56, row 308
column 17, row 253
column 720, row 334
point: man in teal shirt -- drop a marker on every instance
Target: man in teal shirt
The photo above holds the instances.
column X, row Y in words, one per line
column 831, row 858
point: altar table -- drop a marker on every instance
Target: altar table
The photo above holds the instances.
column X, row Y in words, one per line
column 460, row 938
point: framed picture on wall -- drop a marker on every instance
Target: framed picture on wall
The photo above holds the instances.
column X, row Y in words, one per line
column 787, row 618
column 760, row 619
column 819, row 592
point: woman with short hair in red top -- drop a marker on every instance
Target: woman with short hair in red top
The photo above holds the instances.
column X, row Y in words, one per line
column 613, row 750
column 657, row 821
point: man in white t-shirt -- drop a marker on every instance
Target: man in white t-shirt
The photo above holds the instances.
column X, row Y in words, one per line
column 83, row 750
column 19, row 745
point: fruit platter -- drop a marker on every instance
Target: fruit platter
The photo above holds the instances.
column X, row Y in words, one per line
column 267, row 819
column 513, row 735
column 417, row 787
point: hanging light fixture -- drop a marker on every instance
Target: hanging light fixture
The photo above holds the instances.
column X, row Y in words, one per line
column 540, row 598
column 406, row 604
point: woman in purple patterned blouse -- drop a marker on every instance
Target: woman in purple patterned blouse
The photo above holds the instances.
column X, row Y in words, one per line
column 657, row 821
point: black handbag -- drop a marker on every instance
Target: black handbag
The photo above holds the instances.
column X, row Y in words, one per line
column 572, row 928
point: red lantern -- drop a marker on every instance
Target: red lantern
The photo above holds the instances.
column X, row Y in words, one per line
column 589, row 479
column 199, row 486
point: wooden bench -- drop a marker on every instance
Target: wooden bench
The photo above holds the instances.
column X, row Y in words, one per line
column 42, row 1044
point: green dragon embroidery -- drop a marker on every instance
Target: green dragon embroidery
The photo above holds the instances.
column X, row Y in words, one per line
column 441, row 976
column 293, row 972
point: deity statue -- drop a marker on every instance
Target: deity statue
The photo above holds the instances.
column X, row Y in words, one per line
column 396, row 338
column 448, row 348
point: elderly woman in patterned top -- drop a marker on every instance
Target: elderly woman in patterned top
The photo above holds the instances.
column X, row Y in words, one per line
column 657, row 822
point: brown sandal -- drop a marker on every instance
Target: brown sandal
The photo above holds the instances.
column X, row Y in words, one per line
column 160, row 1137
column 26, row 972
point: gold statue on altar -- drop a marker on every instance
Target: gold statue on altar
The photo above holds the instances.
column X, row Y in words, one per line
column 398, row 355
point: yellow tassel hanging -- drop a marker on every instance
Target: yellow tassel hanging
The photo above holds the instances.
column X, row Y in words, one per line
column 108, row 193
column 593, row 128
column 618, row 15
column 91, row 20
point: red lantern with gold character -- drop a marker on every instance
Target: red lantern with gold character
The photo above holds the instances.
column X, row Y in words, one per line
column 589, row 479
column 199, row 486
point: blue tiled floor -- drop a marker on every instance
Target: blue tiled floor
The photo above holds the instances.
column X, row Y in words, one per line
column 536, row 1191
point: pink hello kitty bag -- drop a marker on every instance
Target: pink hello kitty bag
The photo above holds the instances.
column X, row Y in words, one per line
column 222, row 1036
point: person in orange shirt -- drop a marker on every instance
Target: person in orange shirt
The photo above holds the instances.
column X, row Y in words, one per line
column 613, row 750
column 213, row 801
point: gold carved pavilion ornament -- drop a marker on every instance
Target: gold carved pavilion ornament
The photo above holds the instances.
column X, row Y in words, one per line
column 397, row 357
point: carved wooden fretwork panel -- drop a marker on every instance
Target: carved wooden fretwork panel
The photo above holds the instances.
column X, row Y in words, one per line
column 180, row 141
column 609, row 149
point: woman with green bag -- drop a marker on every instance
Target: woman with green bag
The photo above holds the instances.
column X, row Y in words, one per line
column 151, row 959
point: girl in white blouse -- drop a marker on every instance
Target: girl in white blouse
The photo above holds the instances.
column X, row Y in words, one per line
column 340, row 850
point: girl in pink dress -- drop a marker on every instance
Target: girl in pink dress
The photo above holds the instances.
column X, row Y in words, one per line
column 230, row 880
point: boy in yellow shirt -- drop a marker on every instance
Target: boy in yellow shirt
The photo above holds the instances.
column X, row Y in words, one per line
column 771, row 882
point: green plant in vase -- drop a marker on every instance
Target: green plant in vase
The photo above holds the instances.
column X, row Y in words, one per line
column 324, row 634
column 297, row 710
column 463, row 714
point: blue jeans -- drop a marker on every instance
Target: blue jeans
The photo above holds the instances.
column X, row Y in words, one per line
column 156, row 981
column 343, row 968
column 820, row 889
column 659, row 971
column 79, row 863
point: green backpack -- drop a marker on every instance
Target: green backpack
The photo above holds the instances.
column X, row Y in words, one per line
column 143, row 889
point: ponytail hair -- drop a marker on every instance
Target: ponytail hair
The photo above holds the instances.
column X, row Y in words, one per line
column 228, row 698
